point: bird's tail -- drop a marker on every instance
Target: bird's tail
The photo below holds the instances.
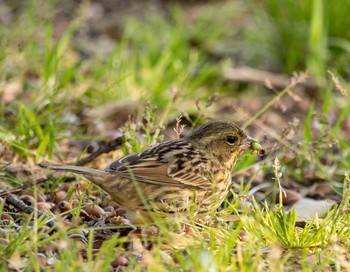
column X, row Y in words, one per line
column 94, row 175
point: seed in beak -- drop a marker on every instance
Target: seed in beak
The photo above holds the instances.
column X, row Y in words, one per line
column 258, row 148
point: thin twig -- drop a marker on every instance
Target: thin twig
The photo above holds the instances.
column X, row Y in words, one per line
column 20, row 205
column 103, row 149
column 296, row 79
column 13, row 191
column 250, row 75
column 179, row 129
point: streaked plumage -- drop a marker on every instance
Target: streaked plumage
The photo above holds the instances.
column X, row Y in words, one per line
column 192, row 173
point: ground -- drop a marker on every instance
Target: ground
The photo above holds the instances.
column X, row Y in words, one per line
column 86, row 83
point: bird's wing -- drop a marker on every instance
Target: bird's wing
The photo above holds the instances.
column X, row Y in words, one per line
column 173, row 167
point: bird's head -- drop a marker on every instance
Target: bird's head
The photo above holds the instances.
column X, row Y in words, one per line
column 223, row 142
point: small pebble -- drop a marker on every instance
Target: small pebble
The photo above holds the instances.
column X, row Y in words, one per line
column 64, row 206
column 59, row 196
column 27, row 199
column 43, row 206
column 120, row 261
column 39, row 197
column 95, row 211
column 42, row 259
column 109, row 209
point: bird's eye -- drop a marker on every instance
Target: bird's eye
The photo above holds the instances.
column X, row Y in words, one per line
column 231, row 139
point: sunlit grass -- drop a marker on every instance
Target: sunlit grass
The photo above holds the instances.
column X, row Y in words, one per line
column 315, row 42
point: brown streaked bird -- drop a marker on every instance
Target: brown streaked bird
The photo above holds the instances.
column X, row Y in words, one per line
column 173, row 177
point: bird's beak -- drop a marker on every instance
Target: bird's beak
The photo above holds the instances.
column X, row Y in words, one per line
column 252, row 144
column 248, row 143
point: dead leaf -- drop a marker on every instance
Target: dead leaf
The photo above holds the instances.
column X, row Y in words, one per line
column 307, row 208
column 10, row 91
column 16, row 262
column 182, row 240
column 289, row 197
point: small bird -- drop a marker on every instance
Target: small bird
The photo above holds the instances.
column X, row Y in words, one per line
column 191, row 174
